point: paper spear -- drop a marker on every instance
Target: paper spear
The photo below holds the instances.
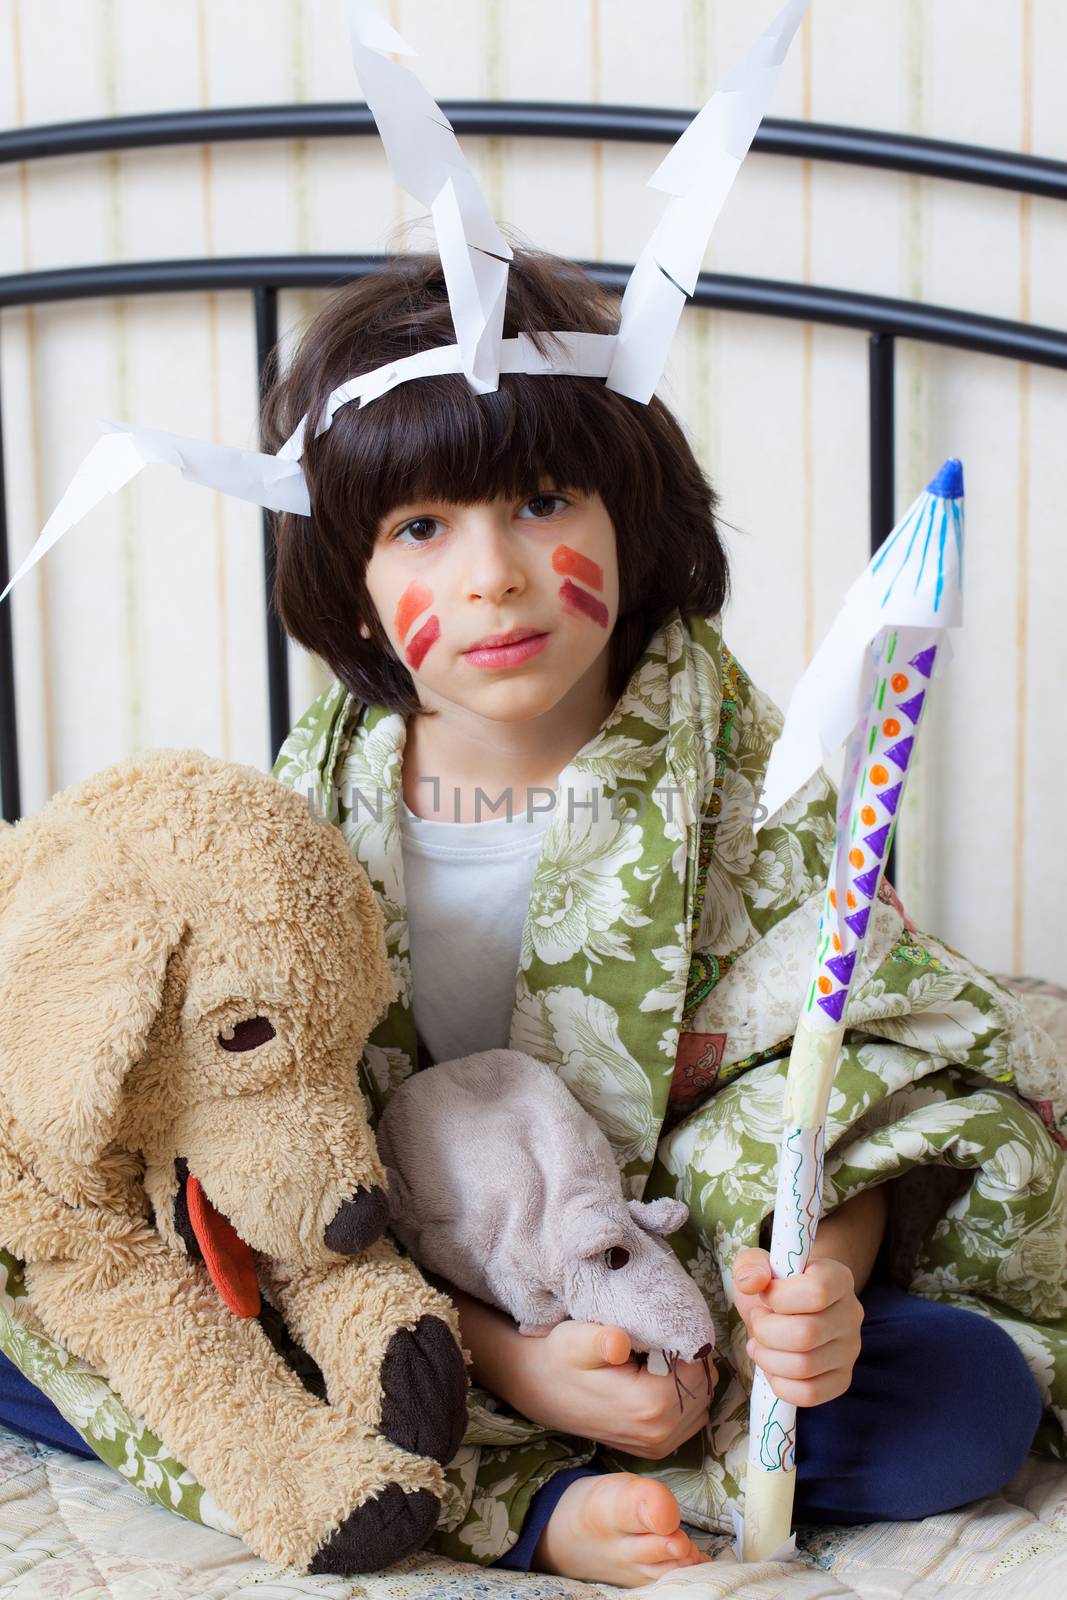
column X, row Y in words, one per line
column 867, row 685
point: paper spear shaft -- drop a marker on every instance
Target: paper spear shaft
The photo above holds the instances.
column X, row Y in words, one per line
column 875, row 664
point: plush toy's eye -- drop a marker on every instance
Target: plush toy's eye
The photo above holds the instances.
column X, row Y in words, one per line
column 616, row 1257
column 248, row 1034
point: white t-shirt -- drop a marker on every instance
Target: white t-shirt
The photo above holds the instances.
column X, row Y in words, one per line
column 468, row 888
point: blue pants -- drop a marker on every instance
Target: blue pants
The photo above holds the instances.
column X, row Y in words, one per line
column 941, row 1410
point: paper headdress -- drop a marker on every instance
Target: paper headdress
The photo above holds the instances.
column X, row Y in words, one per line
column 697, row 173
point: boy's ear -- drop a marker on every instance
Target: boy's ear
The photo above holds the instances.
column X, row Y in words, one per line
column 86, row 932
column 659, row 1216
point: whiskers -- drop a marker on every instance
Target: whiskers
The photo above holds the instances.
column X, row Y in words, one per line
column 672, row 1359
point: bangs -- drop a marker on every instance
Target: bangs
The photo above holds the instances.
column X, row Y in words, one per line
column 436, row 439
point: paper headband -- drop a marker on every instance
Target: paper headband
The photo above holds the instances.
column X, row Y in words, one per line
column 424, row 154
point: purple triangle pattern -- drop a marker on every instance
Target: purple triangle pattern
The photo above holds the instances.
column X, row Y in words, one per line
column 901, row 752
column 911, row 708
column 858, row 921
column 924, row 661
column 891, row 798
column 841, row 966
column 877, row 840
column 833, row 1004
column 867, row 883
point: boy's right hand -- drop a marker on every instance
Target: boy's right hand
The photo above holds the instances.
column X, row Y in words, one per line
column 582, row 1379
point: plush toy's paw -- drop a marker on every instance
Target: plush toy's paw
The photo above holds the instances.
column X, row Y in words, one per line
column 424, row 1391
column 382, row 1531
column 359, row 1223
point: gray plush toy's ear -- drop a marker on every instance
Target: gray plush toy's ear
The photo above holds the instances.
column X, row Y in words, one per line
column 659, row 1216
column 85, row 937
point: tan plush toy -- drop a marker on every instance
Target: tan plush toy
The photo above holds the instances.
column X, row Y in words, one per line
column 190, row 965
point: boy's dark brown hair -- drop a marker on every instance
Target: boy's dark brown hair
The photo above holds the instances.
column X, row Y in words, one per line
column 434, row 438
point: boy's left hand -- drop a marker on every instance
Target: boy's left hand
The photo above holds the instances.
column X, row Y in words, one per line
column 804, row 1331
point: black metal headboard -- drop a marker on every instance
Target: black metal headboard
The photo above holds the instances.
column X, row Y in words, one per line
column 884, row 320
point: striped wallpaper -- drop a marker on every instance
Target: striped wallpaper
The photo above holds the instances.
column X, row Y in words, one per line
column 144, row 627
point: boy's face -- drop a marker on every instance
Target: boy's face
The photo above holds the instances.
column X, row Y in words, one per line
column 444, row 577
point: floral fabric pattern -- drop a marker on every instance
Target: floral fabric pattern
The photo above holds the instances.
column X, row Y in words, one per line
column 664, row 959
column 662, row 969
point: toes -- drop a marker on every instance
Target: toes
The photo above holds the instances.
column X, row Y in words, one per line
column 424, row 1391
column 652, row 1550
column 653, row 1508
column 383, row 1530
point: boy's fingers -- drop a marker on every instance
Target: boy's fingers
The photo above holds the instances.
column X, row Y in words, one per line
column 589, row 1345
column 819, row 1286
column 790, row 1295
column 799, row 1333
column 827, row 1358
column 691, row 1376
column 812, row 1391
column 752, row 1271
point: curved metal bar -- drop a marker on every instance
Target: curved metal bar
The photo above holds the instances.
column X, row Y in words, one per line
column 9, row 751
column 811, row 141
column 278, row 710
column 904, row 319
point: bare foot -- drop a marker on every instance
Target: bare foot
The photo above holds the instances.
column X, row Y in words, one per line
column 615, row 1528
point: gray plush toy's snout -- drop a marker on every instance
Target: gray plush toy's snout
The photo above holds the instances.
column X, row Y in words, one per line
column 626, row 1276
column 503, row 1183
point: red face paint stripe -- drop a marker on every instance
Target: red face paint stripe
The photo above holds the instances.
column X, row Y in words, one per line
column 415, row 599
column 575, row 565
column 427, row 635
column 580, row 604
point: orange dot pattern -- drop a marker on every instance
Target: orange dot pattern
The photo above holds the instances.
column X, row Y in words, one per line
column 837, row 952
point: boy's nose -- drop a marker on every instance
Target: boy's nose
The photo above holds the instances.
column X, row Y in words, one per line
column 358, row 1223
column 493, row 569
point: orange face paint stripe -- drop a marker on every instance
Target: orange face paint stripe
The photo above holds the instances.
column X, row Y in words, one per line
column 580, row 604
column 427, row 635
column 415, row 599
column 573, row 564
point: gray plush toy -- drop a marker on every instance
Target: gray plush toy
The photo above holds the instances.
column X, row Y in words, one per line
column 504, row 1185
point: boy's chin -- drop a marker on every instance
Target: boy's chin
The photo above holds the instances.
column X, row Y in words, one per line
column 508, row 702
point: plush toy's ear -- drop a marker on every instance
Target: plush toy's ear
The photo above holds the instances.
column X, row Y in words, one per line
column 85, row 937
column 659, row 1216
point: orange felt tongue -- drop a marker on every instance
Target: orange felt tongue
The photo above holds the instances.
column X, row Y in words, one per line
column 227, row 1258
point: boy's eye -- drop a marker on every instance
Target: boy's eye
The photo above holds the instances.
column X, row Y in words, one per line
column 545, row 505
column 421, row 528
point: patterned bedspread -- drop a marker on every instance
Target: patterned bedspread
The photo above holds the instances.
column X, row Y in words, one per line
column 73, row 1528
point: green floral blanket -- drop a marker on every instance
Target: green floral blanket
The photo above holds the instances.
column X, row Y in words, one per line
column 663, row 964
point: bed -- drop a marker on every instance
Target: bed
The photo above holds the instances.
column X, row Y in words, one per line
column 72, row 1527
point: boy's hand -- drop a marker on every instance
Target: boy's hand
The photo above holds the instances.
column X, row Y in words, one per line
column 581, row 1378
column 804, row 1331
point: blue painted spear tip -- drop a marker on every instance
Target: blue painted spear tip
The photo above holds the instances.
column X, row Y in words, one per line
column 949, row 481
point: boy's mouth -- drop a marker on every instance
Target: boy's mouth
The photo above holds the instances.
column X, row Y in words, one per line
column 510, row 654
column 494, row 641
